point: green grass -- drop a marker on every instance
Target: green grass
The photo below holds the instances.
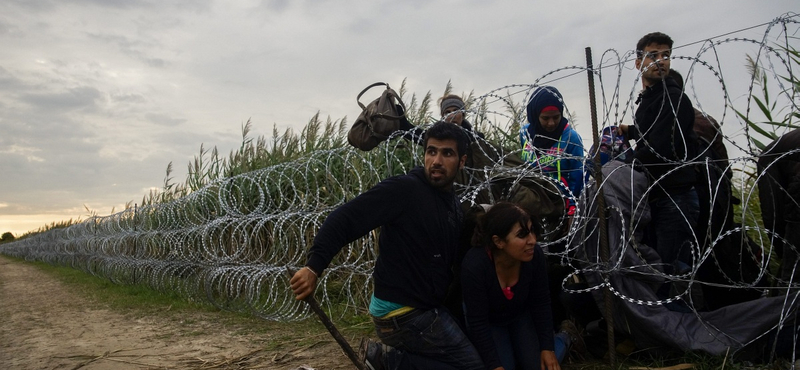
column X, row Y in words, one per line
column 117, row 296
column 281, row 148
column 140, row 301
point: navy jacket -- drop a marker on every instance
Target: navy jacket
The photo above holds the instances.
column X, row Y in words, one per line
column 485, row 304
column 418, row 242
column 665, row 121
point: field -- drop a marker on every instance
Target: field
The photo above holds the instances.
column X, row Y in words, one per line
column 59, row 318
column 225, row 236
column 50, row 323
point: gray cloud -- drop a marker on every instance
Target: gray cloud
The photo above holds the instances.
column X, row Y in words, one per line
column 8, row 82
column 136, row 49
column 47, row 5
column 163, row 119
column 119, row 4
column 83, row 98
column 274, row 5
column 128, row 98
column 96, row 97
column 5, row 28
column 36, row 5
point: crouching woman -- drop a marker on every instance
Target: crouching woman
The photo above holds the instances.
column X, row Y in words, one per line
column 506, row 297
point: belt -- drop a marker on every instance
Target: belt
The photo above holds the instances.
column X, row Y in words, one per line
column 399, row 321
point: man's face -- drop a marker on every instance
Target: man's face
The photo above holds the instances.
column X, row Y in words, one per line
column 450, row 116
column 654, row 64
column 442, row 162
column 550, row 120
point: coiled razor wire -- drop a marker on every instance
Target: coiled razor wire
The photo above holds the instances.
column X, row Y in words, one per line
column 230, row 242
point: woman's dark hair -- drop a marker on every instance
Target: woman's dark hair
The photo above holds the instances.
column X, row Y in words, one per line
column 499, row 220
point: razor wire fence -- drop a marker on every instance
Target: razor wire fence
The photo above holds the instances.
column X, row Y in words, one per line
column 230, row 242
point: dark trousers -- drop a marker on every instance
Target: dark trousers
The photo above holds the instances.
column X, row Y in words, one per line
column 517, row 344
column 671, row 230
column 426, row 339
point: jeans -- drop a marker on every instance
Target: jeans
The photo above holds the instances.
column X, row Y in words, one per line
column 518, row 345
column 671, row 230
column 562, row 342
column 426, row 339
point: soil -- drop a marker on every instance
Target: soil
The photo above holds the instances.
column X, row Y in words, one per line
column 46, row 324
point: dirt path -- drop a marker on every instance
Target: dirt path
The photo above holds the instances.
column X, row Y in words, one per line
column 44, row 325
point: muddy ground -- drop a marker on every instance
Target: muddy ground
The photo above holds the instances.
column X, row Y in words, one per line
column 46, row 324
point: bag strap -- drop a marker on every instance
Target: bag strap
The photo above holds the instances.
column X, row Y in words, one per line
column 394, row 94
column 358, row 98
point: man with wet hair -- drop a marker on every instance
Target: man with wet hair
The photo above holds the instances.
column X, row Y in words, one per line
column 420, row 221
column 666, row 145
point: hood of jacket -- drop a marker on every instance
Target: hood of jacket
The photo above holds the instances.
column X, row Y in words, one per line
column 542, row 97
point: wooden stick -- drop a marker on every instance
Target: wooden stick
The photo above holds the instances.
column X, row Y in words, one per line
column 314, row 305
column 608, row 301
column 676, row 367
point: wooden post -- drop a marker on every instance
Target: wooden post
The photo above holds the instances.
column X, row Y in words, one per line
column 314, row 305
column 601, row 213
column 135, row 237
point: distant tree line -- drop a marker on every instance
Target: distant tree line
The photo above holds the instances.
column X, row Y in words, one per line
column 7, row 237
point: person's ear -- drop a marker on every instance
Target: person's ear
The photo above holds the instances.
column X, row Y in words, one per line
column 462, row 162
column 498, row 242
column 638, row 63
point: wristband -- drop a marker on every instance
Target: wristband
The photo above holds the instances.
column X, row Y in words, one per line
column 312, row 271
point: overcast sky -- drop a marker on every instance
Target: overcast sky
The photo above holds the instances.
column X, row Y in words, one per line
column 98, row 96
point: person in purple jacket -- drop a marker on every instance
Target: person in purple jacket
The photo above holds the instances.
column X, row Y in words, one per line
column 506, row 293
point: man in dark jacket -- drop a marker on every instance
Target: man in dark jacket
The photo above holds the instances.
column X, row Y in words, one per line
column 420, row 221
column 709, row 131
column 666, row 145
column 778, row 191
